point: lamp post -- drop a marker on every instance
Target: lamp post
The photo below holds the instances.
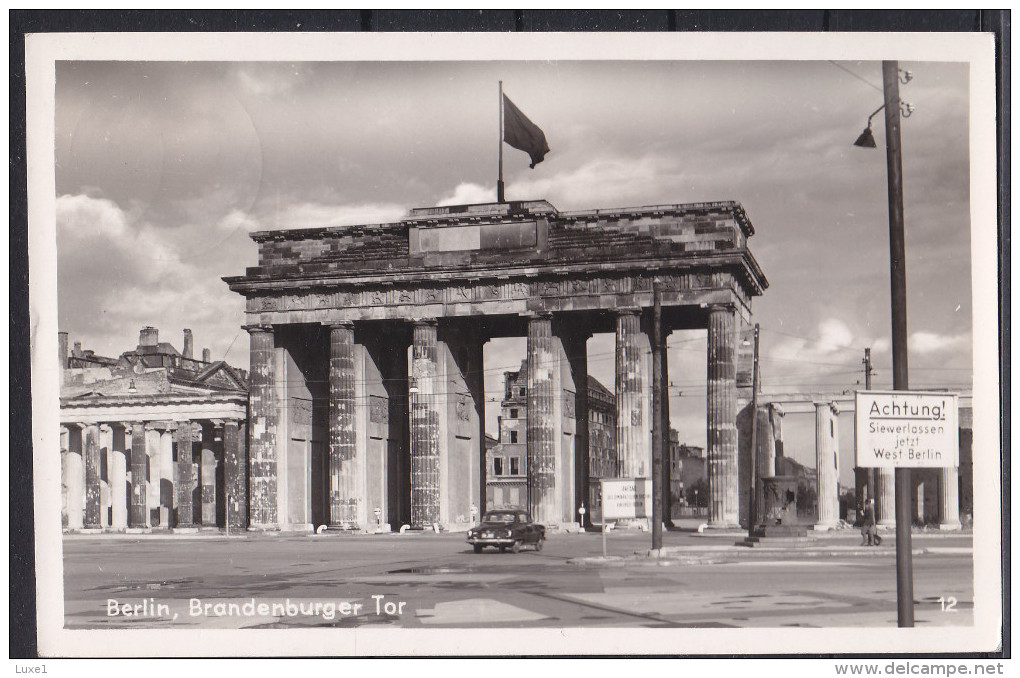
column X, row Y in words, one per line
column 898, row 289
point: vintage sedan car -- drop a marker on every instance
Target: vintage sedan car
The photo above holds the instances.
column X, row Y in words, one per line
column 506, row 528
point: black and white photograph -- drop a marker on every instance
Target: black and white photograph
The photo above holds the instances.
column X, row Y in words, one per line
column 468, row 344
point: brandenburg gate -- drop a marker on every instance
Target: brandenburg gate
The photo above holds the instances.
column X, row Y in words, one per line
column 366, row 383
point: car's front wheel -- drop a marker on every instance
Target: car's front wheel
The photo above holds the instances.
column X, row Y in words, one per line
column 516, row 548
column 538, row 545
column 478, row 548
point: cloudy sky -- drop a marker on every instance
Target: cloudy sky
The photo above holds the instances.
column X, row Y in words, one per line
column 164, row 168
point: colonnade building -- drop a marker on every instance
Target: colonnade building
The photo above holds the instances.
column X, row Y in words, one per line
column 153, row 439
column 366, row 390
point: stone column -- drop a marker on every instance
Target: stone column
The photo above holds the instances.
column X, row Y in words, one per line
column 154, row 490
column 167, row 477
column 343, row 478
column 461, row 410
column 93, row 491
column 393, row 364
column 105, row 457
column 263, row 422
column 118, row 479
column 826, row 465
column 235, row 475
column 541, row 426
column 723, row 508
column 476, row 384
column 185, row 476
column 949, row 498
column 885, row 497
column 424, row 416
column 576, row 346
column 766, row 459
column 138, row 514
column 74, row 478
column 208, row 475
column 633, row 414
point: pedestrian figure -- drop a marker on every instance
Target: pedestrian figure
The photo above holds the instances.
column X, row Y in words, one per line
column 869, row 535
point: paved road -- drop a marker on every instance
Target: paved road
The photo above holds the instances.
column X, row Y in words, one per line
column 442, row 584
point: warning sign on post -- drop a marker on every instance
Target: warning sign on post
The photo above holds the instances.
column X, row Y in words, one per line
column 907, row 429
column 626, row 498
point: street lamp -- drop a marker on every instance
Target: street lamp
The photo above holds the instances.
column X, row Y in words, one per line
column 894, row 108
column 867, row 138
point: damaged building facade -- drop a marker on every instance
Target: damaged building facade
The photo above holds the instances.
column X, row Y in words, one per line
column 506, row 463
column 366, row 387
column 153, row 439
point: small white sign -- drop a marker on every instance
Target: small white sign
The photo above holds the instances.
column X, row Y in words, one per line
column 626, row 498
column 907, row 429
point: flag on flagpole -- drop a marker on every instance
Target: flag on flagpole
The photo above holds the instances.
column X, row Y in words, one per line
column 523, row 134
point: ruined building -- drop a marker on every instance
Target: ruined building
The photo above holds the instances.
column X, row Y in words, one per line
column 506, row 464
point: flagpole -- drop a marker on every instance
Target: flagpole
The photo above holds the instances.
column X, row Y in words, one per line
column 499, row 183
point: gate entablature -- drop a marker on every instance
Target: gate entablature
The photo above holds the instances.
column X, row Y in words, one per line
column 507, row 258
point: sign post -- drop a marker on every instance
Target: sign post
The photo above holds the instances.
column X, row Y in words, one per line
column 904, row 430
column 624, row 498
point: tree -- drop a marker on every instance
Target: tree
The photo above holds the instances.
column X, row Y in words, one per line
column 697, row 493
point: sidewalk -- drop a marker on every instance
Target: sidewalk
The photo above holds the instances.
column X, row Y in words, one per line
column 727, row 546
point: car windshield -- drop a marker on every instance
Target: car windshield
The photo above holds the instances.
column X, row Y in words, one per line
column 499, row 517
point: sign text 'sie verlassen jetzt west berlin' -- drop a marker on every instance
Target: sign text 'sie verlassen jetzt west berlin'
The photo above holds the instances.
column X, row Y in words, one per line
column 907, row 429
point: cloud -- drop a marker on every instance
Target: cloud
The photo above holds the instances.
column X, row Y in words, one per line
column 603, row 182
column 834, row 334
column 314, row 215
column 468, row 194
column 310, row 215
column 827, row 358
column 238, row 220
column 116, row 276
column 831, row 337
column 930, row 342
column 85, row 217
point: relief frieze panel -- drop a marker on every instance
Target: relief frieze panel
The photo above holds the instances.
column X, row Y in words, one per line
column 302, row 411
column 516, row 290
column 481, row 291
column 549, row 288
column 464, row 408
column 488, row 292
column 379, row 411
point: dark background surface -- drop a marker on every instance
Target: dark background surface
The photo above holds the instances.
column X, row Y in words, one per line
column 22, row 558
